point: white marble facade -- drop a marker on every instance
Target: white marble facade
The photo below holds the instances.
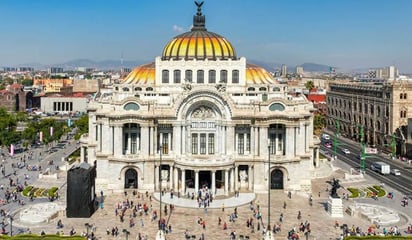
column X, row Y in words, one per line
column 217, row 129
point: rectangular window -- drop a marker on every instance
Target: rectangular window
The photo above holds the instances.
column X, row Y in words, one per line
column 280, row 143
column 223, row 76
column 126, row 142
column 240, row 144
column 212, row 76
column 176, row 76
column 235, row 76
column 272, row 144
column 71, row 106
column 194, row 143
column 211, row 143
column 200, row 76
column 248, row 142
column 203, row 143
column 165, row 76
column 54, row 106
column 188, row 76
column 133, row 139
column 165, row 143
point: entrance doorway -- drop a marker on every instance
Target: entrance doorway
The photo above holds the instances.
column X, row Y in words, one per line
column 276, row 179
column 205, row 179
column 130, row 178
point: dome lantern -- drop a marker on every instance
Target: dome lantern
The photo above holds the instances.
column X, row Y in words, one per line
column 199, row 43
column 199, row 20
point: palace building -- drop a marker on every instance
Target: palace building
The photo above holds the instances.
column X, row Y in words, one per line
column 200, row 116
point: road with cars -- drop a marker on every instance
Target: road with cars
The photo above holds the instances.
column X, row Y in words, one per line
column 351, row 156
column 24, row 170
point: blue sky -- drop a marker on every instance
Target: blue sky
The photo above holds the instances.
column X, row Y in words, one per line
column 347, row 34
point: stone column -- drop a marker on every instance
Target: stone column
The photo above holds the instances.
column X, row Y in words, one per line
column 236, row 178
column 196, row 181
column 151, row 141
column 145, row 143
column 118, row 136
column 317, row 157
column 111, row 140
column 171, row 177
column 232, row 180
column 169, row 142
column 176, row 140
column 252, row 141
column 183, row 181
column 213, row 182
column 290, row 141
column 176, row 179
column 263, row 148
column 183, row 140
column 226, row 182
column 250, row 178
column 230, row 138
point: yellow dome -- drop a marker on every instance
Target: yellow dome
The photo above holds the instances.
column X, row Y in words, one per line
column 144, row 74
column 198, row 44
column 257, row 75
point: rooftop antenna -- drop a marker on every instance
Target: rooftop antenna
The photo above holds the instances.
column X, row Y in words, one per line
column 121, row 63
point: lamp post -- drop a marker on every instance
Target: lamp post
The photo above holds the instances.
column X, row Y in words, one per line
column 160, row 234
column 269, row 235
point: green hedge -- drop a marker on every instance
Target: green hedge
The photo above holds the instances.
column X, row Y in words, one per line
column 354, row 192
column 52, row 191
column 27, row 190
column 39, row 192
column 381, row 192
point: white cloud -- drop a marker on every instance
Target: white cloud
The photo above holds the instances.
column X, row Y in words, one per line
column 178, row 29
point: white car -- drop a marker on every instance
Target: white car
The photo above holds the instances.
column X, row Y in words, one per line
column 346, row 151
column 395, row 172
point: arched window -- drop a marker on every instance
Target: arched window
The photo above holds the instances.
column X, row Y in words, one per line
column 262, row 89
column 149, row 89
column 223, row 76
column 188, row 76
column 176, row 76
column 212, row 76
column 200, row 76
column 165, row 76
column 235, row 76
column 138, row 89
column 125, row 89
column 251, row 89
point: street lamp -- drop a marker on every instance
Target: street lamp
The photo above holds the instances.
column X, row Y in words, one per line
column 160, row 234
column 269, row 235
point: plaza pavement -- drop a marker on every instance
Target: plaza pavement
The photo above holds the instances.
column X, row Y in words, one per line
column 187, row 213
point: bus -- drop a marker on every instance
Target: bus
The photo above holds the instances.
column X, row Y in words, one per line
column 381, row 167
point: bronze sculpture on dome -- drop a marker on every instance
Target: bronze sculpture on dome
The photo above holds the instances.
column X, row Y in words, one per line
column 199, row 7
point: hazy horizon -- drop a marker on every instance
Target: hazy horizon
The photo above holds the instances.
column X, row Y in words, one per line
column 348, row 34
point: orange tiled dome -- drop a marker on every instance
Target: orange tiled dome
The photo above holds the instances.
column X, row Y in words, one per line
column 143, row 74
column 257, row 75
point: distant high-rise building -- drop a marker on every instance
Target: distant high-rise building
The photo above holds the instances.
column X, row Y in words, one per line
column 125, row 70
column 284, row 70
column 55, row 70
column 299, row 70
column 375, row 73
column 9, row 69
column 85, row 69
column 25, row 69
column 392, row 72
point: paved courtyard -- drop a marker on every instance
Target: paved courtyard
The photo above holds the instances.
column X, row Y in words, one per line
column 187, row 215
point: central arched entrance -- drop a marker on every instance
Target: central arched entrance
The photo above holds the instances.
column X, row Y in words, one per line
column 130, row 178
column 276, row 179
column 205, row 179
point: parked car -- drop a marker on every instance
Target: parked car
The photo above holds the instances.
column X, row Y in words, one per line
column 346, row 151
